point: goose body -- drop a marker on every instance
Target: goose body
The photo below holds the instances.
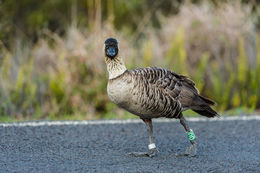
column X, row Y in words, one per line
column 140, row 91
column 156, row 92
column 153, row 92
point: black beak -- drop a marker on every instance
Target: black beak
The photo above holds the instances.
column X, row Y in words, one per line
column 111, row 51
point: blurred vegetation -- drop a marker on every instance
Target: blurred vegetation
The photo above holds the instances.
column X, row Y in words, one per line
column 52, row 63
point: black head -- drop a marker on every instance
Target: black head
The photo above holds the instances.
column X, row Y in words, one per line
column 111, row 48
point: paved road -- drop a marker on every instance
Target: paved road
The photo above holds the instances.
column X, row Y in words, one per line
column 224, row 146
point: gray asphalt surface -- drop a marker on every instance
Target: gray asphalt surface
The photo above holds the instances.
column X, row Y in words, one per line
column 223, row 146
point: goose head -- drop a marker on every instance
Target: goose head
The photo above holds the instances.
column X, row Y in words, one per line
column 115, row 64
column 111, row 48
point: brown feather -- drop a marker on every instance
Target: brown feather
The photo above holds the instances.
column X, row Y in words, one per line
column 177, row 88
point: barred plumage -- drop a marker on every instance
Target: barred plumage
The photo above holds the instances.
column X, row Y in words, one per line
column 155, row 92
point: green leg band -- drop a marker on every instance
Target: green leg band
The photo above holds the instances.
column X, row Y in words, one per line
column 191, row 135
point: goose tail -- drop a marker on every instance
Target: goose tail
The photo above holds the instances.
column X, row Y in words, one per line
column 204, row 108
column 207, row 111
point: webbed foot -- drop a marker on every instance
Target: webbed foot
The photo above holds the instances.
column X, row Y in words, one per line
column 151, row 153
column 191, row 151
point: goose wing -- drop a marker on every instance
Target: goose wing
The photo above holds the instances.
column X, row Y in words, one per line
column 175, row 92
column 178, row 87
column 171, row 83
column 158, row 91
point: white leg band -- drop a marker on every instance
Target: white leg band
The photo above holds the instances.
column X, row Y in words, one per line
column 151, row 146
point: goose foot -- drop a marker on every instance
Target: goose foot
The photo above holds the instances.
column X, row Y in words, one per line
column 151, row 153
column 191, row 151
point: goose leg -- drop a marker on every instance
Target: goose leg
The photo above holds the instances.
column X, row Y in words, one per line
column 191, row 151
column 151, row 146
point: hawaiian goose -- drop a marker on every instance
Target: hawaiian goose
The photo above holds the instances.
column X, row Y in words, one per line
column 152, row 93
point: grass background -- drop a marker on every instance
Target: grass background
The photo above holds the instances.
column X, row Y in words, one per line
column 52, row 61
